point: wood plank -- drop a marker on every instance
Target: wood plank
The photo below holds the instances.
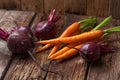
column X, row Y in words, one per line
column 33, row 5
column 75, row 6
column 97, row 7
column 11, row 5
column 2, row 12
column 68, row 6
column 73, row 68
column 53, row 4
column 4, row 52
column 114, row 8
column 3, row 58
column 9, row 17
column 108, row 67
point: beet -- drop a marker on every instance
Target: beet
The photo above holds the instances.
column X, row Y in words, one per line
column 47, row 29
column 19, row 43
column 26, row 30
column 90, row 51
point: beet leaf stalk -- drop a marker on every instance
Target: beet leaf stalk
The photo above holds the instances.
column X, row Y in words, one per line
column 3, row 35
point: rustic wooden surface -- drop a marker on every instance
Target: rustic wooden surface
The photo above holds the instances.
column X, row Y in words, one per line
column 100, row 8
column 75, row 68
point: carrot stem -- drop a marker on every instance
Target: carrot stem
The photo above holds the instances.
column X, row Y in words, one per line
column 111, row 30
column 103, row 23
column 87, row 22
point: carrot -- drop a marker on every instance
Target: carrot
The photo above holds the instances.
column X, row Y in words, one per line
column 68, row 47
column 55, row 48
column 39, row 49
column 69, row 53
column 73, row 28
column 86, row 36
column 61, row 51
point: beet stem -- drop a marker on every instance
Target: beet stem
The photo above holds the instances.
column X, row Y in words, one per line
column 52, row 17
column 41, row 68
column 3, row 35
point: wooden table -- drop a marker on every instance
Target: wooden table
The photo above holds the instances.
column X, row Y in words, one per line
column 76, row 68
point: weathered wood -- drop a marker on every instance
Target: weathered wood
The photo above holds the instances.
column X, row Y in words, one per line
column 108, row 67
column 8, row 24
column 11, row 4
column 71, row 6
column 101, row 8
column 53, row 4
column 4, row 52
column 114, row 8
column 32, row 5
column 75, row 6
column 97, row 7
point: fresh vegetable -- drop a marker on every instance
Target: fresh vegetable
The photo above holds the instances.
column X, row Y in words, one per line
column 19, row 41
column 74, row 28
column 68, row 53
column 39, row 48
column 26, row 30
column 68, row 47
column 63, row 50
column 90, row 51
column 47, row 29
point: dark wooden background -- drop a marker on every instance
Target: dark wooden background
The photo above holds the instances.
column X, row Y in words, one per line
column 100, row 8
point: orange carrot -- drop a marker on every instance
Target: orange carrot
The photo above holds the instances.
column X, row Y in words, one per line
column 86, row 36
column 55, row 48
column 68, row 47
column 69, row 53
column 61, row 51
column 39, row 49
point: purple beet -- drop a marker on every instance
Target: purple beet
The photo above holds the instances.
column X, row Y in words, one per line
column 26, row 30
column 47, row 29
column 90, row 51
column 19, row 41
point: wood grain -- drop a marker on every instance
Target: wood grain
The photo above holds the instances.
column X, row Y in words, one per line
column 54, row 4
column 8, row 18
column 75, row 6
column 6, row 24
column 114, row 8
column 97, row 7
column 108, row 67
column 32, row 5
column 100, row 8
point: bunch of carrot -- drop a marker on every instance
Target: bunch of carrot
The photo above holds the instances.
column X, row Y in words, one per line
column 74, row 40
